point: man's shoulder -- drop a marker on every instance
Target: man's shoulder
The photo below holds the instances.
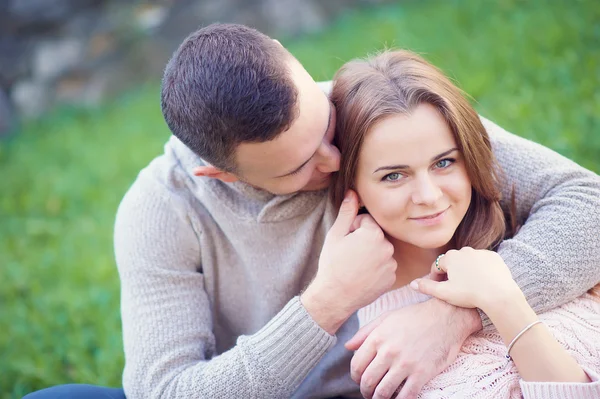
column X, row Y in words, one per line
column 162, row 187
column 162, row 177
column 155, row 221
column 506, row 144
column 494, row 131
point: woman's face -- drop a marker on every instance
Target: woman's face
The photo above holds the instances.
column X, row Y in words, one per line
column 412, row 178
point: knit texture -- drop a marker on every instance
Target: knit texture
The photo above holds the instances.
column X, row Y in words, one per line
column 481, row 370
column 210, row 274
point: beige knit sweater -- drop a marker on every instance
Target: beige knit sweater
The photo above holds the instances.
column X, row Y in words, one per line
column 210, row 274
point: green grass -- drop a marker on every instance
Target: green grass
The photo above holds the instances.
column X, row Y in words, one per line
column 62, row 180
column 533, row 67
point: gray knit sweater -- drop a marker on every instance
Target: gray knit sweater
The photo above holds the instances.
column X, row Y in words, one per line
column 210, row 273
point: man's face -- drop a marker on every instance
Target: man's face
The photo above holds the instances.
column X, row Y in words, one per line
column 301, row 158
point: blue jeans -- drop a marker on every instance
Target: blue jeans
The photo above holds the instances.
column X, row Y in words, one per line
column 77, row 391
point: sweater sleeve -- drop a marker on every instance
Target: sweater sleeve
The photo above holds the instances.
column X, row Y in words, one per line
column 562, row 390
column 554, row 255
column 167, row 321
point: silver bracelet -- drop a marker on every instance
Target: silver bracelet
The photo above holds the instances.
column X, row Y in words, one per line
column 523, row 331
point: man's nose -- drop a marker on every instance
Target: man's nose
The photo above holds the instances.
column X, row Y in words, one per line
column 329, row 158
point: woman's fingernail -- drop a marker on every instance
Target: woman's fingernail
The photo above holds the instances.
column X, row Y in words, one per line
column 414, row 285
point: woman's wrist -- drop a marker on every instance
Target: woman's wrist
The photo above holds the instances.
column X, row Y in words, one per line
column 496, row 302
column 510, row 314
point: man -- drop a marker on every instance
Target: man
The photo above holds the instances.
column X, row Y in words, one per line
column 225, row 290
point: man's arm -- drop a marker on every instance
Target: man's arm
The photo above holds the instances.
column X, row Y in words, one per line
column 554, row 256
column 167, row 321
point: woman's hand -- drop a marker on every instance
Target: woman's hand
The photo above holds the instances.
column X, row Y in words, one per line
column 475, row 279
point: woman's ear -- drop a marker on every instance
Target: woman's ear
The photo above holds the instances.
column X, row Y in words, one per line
column 361, row 206
column 360, row 203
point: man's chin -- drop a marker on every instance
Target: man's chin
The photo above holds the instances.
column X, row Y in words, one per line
column 318, row 185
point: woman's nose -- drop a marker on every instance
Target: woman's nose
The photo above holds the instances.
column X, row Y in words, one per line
column 426, row 191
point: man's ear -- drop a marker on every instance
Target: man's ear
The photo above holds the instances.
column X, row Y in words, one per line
column 214, row 173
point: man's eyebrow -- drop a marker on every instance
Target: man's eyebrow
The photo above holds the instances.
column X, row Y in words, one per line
column 311, row 157
column 394, row 167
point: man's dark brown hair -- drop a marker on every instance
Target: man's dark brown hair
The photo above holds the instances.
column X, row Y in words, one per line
column 225, row 85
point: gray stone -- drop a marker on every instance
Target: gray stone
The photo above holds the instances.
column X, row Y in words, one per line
column 44, row 11
column 84, row 22
column 292, row 17
column 150, row 17
column 6, row 115
column 30, row 98
column 101, row 45
column 71, row 89
column 83, row 90
column 53, row 58
column 14, row 57
column 214, row 10
column 96, row 90
column 84, row 51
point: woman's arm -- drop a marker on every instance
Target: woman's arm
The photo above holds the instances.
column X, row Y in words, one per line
column 480, row 278
column 536, row 353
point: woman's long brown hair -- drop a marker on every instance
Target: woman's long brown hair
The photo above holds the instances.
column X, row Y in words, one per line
column 396, row 82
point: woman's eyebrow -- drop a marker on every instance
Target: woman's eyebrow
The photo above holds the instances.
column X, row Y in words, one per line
column 443, row 154
column 393, row 167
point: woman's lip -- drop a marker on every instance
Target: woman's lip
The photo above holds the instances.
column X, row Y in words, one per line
column 432, row 216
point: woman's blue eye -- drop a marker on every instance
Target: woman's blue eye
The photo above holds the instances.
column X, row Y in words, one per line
column 392, row 177
column 444, row 163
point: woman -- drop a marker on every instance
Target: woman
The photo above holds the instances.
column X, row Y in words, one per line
column 421, row 163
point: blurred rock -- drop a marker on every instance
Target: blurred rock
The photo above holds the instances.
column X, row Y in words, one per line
column 88, row 90
column 292, row 17
column 53, row 58
column 82, row 52
column 71, row 89
column 150, row 16
column 101, row 45
column 14, row 60
column 6, row 115
column 44, row 12
column 30, row 98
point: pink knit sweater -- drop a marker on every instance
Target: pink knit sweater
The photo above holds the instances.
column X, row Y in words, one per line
column 481, row 369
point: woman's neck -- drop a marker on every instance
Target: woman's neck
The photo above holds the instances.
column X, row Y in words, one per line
column 413, row 262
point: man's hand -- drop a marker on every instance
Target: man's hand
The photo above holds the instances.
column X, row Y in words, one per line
column 356, row 266
column 409, row 347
